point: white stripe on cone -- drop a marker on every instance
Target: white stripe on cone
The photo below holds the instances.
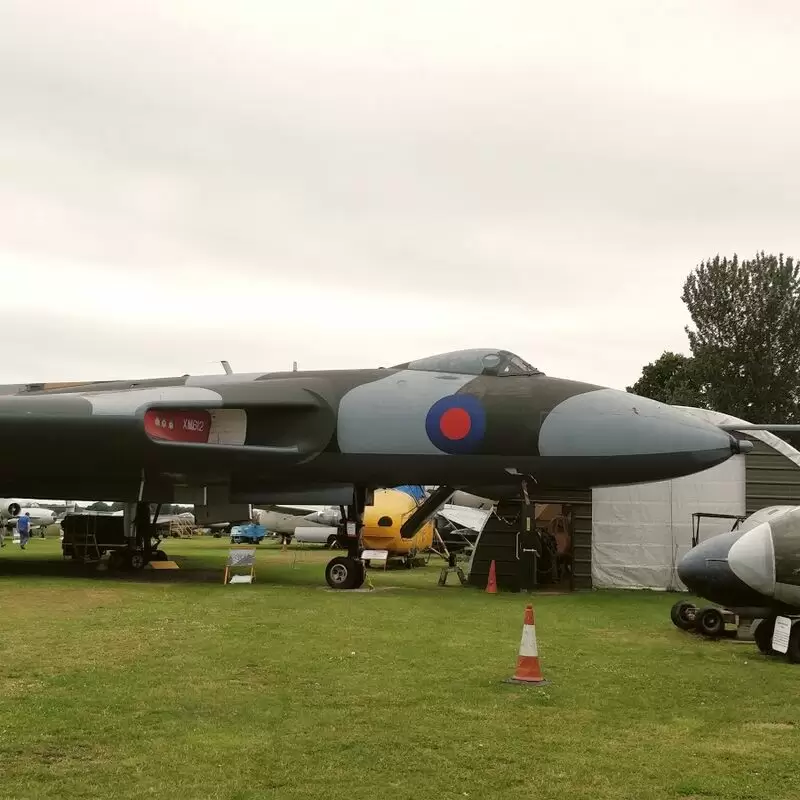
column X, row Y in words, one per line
column 527, row 646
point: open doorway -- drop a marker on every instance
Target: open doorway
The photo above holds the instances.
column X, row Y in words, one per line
column 553, row 524
column 532, row 547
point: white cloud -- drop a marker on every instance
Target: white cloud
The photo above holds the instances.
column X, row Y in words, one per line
column 349, row 184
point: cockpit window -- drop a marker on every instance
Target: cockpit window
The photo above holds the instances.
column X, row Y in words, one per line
column 499, row 363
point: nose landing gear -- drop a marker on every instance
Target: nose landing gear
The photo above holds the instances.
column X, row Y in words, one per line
column 709, row 621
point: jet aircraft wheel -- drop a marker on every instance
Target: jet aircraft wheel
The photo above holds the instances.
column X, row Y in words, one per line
column 684, row 615
column 793, row 653
column 710, row 622
column 331, row 541
column 344, row 573
column 160, row 555
column 136, row 561
column 116, row 560
column 763, row 635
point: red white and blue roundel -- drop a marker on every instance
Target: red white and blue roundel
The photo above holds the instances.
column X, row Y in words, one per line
column 456, row 424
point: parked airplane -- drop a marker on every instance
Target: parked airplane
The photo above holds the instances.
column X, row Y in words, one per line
column 383, row 519
column 459, row 420
column 12, row 508
column 286, row 524
column 383, row 524
column 753, row 572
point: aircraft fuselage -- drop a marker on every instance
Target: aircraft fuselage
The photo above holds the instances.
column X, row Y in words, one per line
column 754, row 569
column 248, row 433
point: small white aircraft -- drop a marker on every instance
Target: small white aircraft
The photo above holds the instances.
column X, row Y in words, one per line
column 12, row 508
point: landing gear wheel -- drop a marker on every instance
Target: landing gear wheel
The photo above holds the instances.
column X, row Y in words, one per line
column 136, row 561
column 684, row 615
column 331, row 543
column 763, row 635
column 116, row 560
column 160, row 555
column 793, row 653
column 710, row 622
column 344, row 573
column 361, row 572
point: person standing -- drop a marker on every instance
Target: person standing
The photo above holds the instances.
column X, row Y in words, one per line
column 24, row 529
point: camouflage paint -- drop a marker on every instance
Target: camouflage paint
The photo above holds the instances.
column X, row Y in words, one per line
column 374, row 427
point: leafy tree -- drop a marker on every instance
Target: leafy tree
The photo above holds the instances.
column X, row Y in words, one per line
column 746, row 336
column 673, row 379
column 99, row 506
column 745, row 342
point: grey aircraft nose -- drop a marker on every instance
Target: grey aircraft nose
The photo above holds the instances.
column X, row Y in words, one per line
column 706, row 572
column 608, row 423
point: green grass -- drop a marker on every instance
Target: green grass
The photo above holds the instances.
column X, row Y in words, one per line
column 171, row 684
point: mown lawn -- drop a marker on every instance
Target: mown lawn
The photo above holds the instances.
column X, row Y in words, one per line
column 171, row 684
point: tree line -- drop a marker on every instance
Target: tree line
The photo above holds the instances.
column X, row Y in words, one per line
column 744, row 342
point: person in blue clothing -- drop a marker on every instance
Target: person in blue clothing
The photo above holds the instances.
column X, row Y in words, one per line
column 24, row 529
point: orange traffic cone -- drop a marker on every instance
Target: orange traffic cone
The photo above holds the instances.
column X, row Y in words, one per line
column 528, row 669
column 491, row 585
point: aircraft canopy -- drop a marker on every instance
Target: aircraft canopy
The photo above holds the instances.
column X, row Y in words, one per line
column 485, row 361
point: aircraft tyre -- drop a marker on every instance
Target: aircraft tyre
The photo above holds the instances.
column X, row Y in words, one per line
column 135, row 561
column 331, row 543
column 160, row 555
column 362, row 573
column 793, row 653
column 763, row 635
column 116, row 560
column 710, row 622
column 684, row 615
column 345, row 573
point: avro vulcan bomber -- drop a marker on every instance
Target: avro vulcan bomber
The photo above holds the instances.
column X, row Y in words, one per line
column 463, row 420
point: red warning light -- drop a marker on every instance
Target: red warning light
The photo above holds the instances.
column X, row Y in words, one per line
column 177, row 426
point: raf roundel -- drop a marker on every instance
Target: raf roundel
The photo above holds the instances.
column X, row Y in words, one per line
column 456, row 424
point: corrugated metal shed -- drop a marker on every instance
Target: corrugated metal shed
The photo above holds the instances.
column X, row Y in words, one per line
column 771, row 478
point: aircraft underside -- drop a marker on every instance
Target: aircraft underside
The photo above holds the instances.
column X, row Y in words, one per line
column 257, row 482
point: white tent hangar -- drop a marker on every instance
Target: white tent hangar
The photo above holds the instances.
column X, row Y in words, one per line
column 640, row 532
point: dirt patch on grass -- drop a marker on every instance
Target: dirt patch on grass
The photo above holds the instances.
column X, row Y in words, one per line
column 770, row 726
column 17, row 687
column 57, row 600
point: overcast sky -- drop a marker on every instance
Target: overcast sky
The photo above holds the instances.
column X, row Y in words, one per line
column 352, row 184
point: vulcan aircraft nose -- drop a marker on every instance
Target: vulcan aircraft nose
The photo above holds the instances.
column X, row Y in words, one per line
column 610, row 423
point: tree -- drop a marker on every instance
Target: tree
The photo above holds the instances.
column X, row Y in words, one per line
column 99, row 506
column 673, row 379
column 746, row 338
